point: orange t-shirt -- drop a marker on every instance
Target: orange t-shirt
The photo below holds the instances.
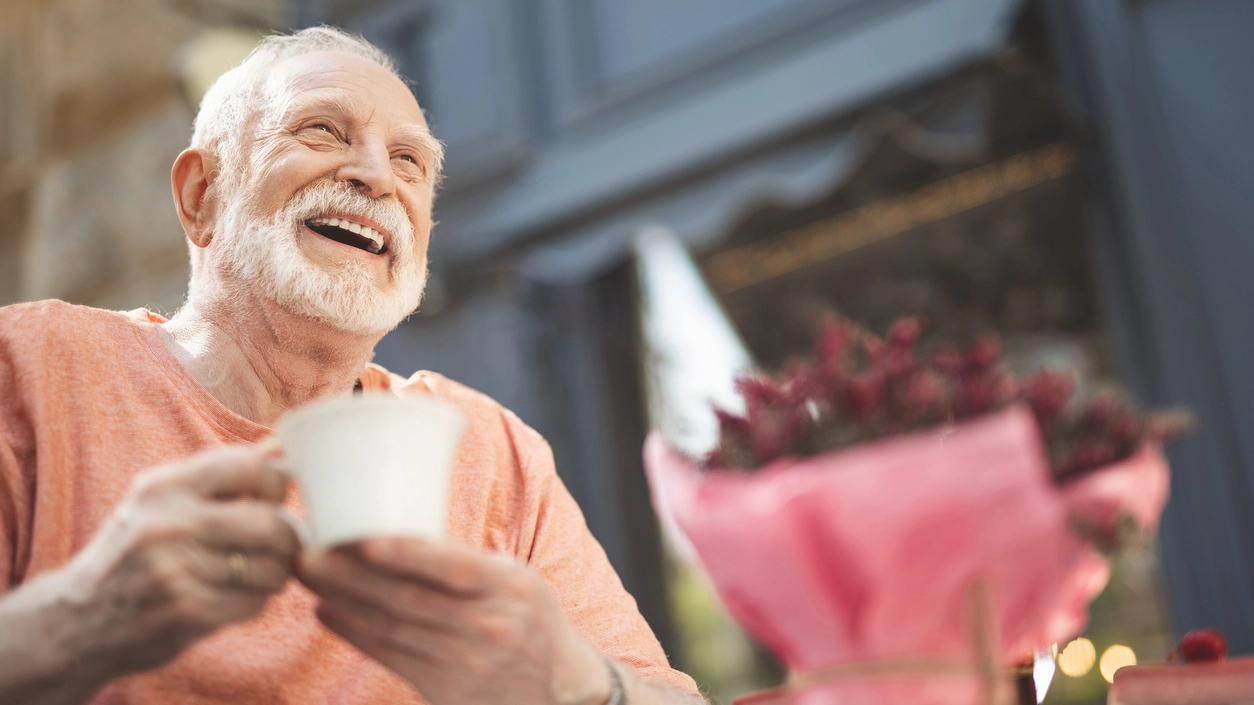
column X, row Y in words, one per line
column 89, row 398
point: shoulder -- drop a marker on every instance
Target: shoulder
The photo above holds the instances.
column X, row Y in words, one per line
column 489, row 425
column 50, row 310
column 482, row 411
column 46, row 345
column 502, row 472
column 40, row 323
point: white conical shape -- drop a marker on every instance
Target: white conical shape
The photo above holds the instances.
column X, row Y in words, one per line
column 1043, row 669
column 692, row 353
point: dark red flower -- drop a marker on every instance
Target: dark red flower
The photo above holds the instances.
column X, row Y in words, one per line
column 924, row 398
column 1202, row 646
column 1090, row 455
column 731, row 423
column 801, row 382
column 1101, row 410
column 833, row 341
column 1048, row 393
column 864, row 398
column 898, row 363
column 872, row 346
column 760, row 390
column 947, row 360
column 858, row 388
column 905, row 332
column 984, row 353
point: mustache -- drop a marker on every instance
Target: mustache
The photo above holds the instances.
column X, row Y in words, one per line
column 341, row 197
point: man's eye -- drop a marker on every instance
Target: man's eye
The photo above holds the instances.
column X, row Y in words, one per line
column 409, row 158
column 325, row 128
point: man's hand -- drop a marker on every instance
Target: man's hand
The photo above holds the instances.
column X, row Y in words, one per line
column 181, row 557
column 462, row 626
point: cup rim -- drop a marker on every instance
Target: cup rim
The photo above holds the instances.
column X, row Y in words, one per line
column 428, row 403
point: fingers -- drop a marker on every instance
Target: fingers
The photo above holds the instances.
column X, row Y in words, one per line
column 238, row 471
column 251, row 572
column 248, row 526
column 391, row 648
column 456, row 570
column 381, row 637
column 341, row 578
column 212, row 607
column 234, row 570
column 222, row 473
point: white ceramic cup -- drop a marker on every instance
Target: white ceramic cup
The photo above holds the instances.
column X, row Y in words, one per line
column 372, row 465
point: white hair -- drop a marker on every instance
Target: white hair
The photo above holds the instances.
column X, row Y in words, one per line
column 251, row 248
column 238, row 95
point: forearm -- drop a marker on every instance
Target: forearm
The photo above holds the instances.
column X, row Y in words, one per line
column 38, row 634
column 639, row 691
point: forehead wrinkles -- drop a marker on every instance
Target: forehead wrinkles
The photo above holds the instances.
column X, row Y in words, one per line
column 285, row 93
column 347, row 86
column 340, row 101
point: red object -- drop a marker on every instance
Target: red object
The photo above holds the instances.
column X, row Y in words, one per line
column 866, row 553
column 1137, row 487
column 1202, row 646
column 1224, row 683
column 859, row 388
column 984, row 353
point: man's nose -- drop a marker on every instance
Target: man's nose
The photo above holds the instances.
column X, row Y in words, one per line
column 369, row 169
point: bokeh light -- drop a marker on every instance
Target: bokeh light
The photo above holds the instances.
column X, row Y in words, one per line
column 212, row 54
column 1115, row 658
column 1077, row 658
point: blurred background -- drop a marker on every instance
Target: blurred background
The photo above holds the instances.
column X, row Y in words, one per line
column 643, row 196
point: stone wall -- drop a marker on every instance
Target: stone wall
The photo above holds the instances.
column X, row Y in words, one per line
column 92, row 115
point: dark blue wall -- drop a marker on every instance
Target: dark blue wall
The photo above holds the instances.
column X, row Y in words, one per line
column 1163, row 94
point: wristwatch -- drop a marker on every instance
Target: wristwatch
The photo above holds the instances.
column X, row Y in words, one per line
column 617, row 695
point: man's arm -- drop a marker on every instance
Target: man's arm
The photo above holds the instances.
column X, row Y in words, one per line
column 640, row 691
column 176, row 561
column 466, row 626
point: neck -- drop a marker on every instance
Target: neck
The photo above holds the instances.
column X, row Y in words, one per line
column 260, row 360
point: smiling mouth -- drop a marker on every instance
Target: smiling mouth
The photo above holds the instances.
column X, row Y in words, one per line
column 349, row 233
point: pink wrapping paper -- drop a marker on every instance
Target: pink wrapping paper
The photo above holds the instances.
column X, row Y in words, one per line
column 866, row 553
column 1138, row 487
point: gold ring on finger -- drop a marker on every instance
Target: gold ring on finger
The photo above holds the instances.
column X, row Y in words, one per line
column 237, row 564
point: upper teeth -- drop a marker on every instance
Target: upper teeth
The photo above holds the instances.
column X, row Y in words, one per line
column 363, row 230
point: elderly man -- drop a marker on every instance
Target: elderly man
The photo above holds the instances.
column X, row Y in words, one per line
column 143, row 553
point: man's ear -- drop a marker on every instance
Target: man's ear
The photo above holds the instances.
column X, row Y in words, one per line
column 193, row 180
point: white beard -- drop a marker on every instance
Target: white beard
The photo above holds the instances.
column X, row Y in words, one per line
column 254, row 251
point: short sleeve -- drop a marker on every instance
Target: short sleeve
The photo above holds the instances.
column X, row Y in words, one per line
column 14, row 498
column 11, row 518
column 588, row 589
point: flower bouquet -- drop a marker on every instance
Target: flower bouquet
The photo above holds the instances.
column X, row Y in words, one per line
column 901, row 527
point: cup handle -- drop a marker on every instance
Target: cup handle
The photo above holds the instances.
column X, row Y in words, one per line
column 299, row 527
